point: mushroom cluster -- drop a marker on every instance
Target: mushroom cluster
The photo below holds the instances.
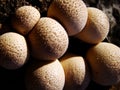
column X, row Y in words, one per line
column 45, row 43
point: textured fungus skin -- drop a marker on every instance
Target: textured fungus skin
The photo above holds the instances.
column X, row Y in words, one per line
column 72, row 14
column 13, row 50
column 97, row 27
column 104, row 60
column 45, row 76
column 77, row 76
column 48, row 40
column 25, row 18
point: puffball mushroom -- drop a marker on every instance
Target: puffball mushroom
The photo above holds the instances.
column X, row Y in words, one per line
column 104, row 61
column 97, row 27
column 13, row 50
column 45, row 76
column 77, row 76
column 24, row 19
column 72, row 14
column 48, row 40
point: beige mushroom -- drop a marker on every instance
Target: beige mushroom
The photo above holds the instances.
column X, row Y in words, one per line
column 45, row 76
column 24, row 19
column 48, row 40
column 77, row 75
column 104, row 61
column 97, row 27
column 72, row 14
column 13, row 50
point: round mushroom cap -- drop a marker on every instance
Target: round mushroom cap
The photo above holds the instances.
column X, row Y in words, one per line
column 48, row 40
column 24, row 19
column 77, row 76
column 97, row 27
column 72, row 14
column 45, row 76
column 104, row 61
column 13, row 50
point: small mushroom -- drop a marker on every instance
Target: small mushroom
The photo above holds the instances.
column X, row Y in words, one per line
column 25, row 18
column 13, row 50
column 97, row 27
column 104, row 62
column 45, row 76
column 77, row 76
column 48, row 40
column 72, row 14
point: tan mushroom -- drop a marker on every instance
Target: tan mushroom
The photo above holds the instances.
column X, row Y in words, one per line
column 24, row 19
column 13, row 50
column 72, row 14
column 97, row 27
column 104, row 61
column 48, row 40
column 45, row 76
